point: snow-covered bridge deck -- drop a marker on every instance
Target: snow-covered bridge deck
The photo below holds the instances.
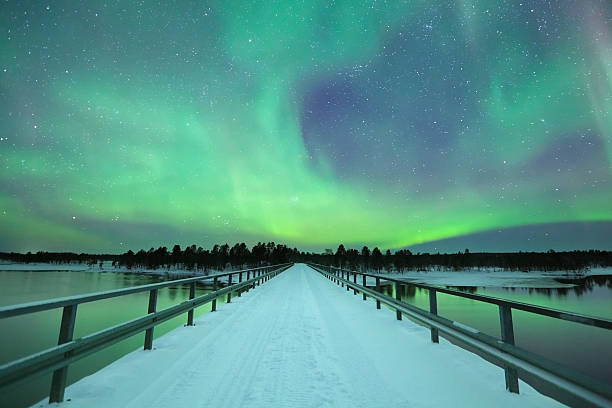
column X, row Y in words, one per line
column 299, row 341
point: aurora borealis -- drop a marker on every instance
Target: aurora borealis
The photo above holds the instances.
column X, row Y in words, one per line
column 392, row 123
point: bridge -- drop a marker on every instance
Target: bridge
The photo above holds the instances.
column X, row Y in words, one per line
column 303, row 338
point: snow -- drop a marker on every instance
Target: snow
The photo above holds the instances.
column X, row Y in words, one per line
column 493, row 278
column 173, row 273
column 42, row 267
column 300, row 341
column 599, row 271
column 485, row 277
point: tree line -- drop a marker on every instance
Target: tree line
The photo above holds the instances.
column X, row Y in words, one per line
column 239, row 256
column 403, row 260
column 219, row 257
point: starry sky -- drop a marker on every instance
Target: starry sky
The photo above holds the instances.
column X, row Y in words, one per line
column 131, row 124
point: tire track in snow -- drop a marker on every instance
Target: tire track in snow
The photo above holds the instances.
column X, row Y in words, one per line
column 299, row 375
column 219, row 360
column 349, row 357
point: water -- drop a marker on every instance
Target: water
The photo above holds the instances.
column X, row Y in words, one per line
column 27, row 334
column 583, row 348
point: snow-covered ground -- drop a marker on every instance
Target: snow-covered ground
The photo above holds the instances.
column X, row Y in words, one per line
column 300, row 341
column 173, row 272
column 470, row 277
column 106, row 267
column 494, row 278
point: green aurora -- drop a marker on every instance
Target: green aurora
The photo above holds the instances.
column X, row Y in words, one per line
column 309, row 123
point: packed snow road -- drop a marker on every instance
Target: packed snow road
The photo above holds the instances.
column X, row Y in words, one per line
column 300, row 341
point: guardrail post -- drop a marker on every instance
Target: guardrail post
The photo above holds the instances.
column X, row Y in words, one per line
column 240, row 281
column 258, row 275
column 364, row 285
column 191, row 296
column 214, row 301
column 148, row 343
column 398, row 288
column 341, row 277
column 433, row 309
column 507, row 336
column 348, row 279
column 355, row 282
column 378, row 290
column 58, row 382
column 229, row 294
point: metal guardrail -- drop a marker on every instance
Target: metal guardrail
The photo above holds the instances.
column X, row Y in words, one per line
column 514, row 359
column 58, row 358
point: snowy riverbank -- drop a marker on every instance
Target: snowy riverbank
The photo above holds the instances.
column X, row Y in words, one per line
column 106, row 267
column 484, row 277
column 498, row 278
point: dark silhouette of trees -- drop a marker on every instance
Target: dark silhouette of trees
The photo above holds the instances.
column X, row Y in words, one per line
column 239, row 254
column 222, row 257
column 388, row 261
column 352, row 258
column 176, row 254
column 402, row 260
column 340, row 256
column 365, row 258
column 377, row 259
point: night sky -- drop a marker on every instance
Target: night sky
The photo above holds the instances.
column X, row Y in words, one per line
column 131, row 124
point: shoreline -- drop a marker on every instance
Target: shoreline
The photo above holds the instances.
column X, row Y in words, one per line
column 483, row 277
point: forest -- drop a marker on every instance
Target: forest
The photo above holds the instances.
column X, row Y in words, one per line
column 239, row 256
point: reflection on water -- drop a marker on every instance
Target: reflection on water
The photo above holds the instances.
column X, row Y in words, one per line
column 27, row 334
column 584, row 348
column 586, row 285
column 582, row 286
